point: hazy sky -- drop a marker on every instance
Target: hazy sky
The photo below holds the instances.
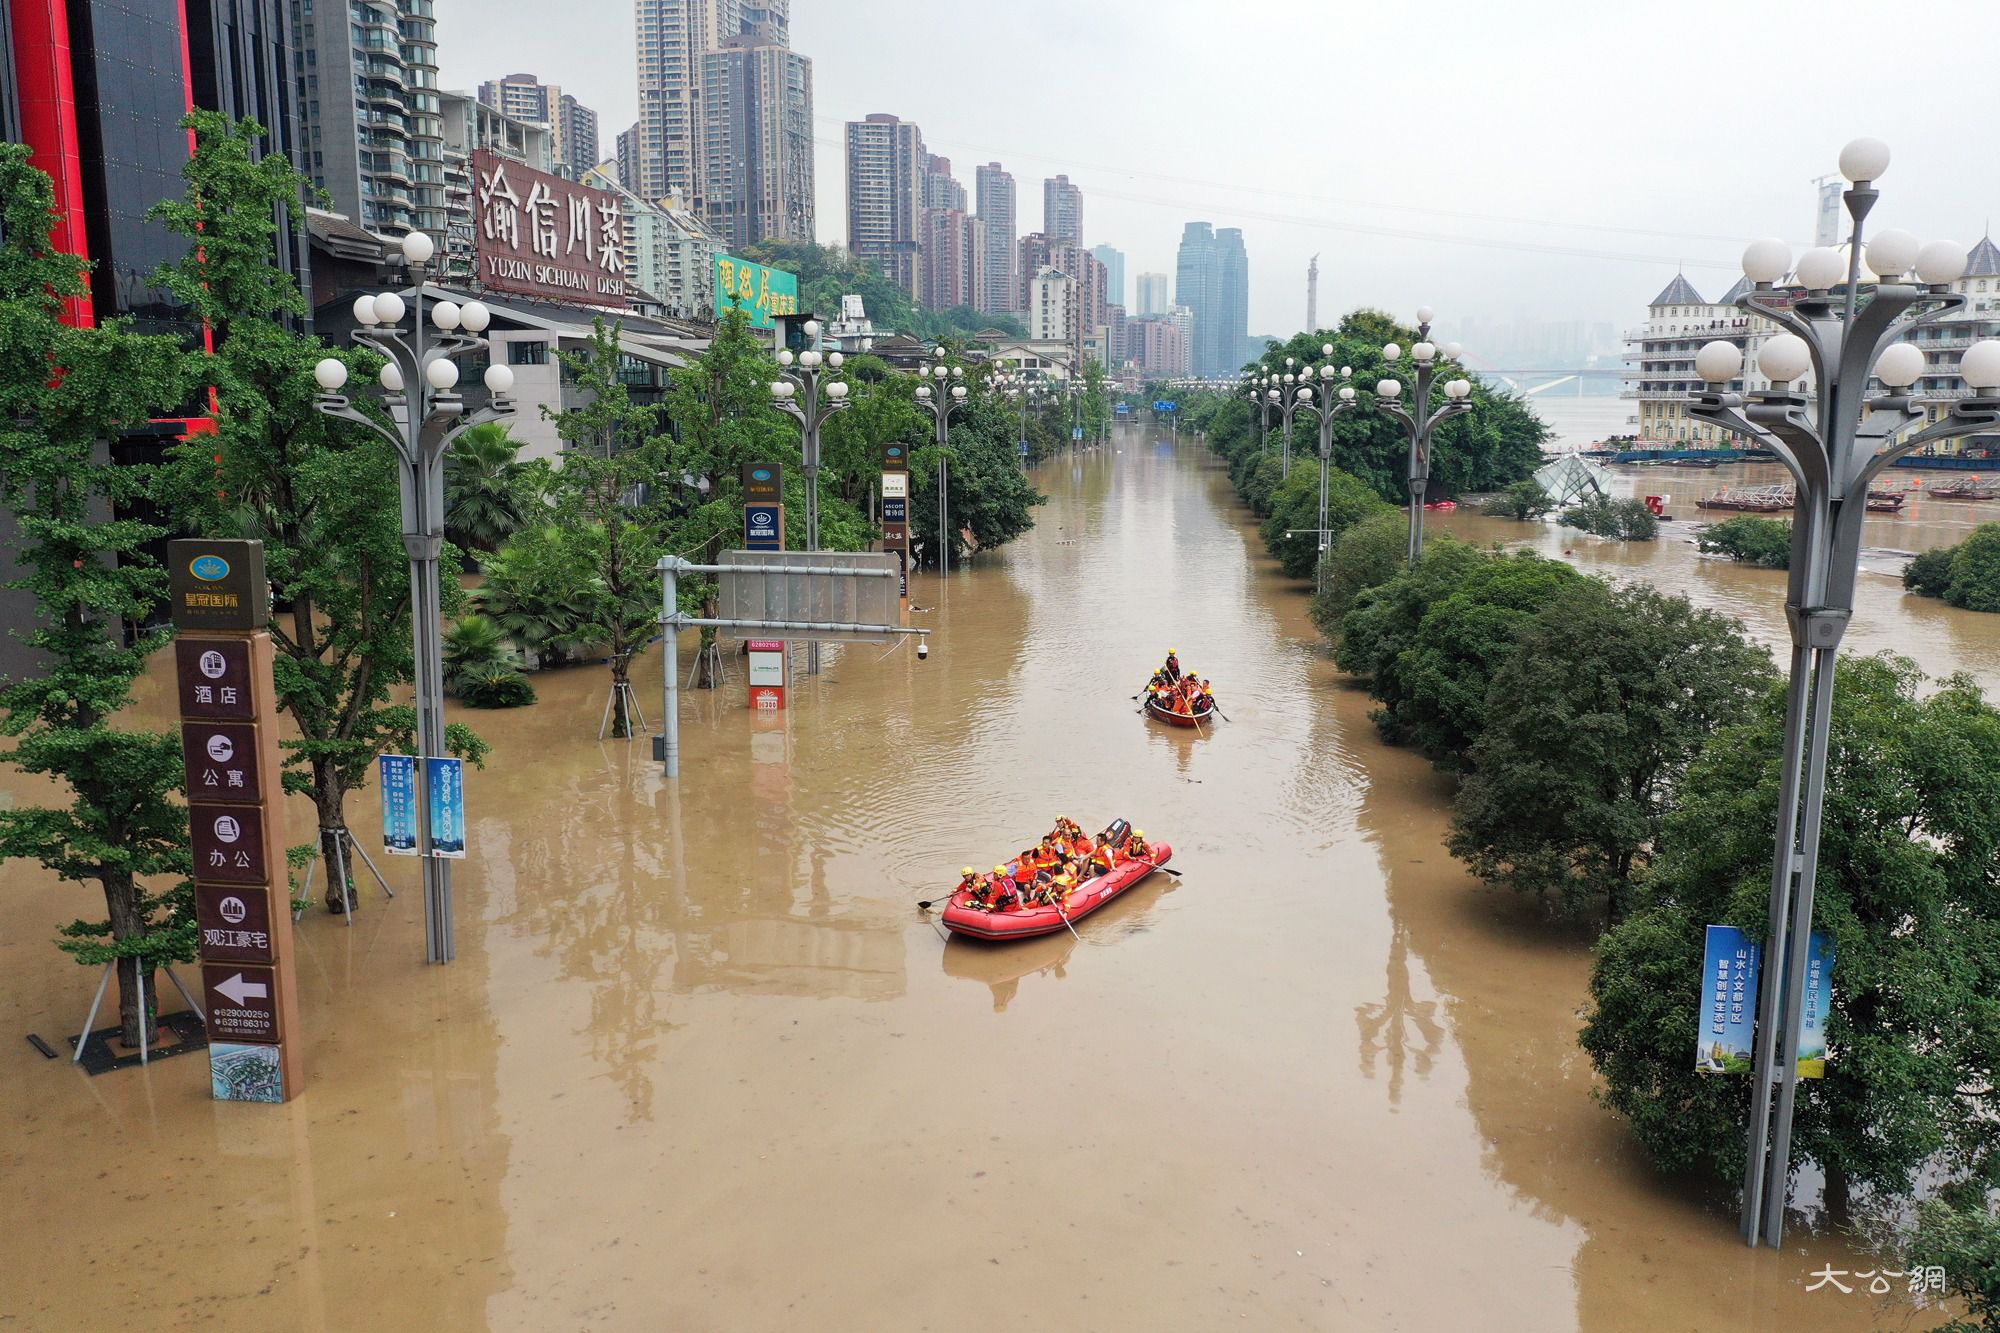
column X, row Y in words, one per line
column 1533, row 159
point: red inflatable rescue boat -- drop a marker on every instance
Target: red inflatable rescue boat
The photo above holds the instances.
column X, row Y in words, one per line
column 1020, row 923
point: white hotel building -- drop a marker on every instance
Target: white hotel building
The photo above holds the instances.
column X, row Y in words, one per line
column 1661, row 380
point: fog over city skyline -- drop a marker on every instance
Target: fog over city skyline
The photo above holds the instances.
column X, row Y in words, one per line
column 1534, row 161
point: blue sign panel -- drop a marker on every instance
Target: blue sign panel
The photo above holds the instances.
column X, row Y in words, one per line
column 1024, row 448
column 1728, row 1003
column 399, row 804
column 760, row 528
column 1164, row 406
column 1818, row 998
column 446, row 801
column 1123, row 408
column 1076, row 432
column 895, row 509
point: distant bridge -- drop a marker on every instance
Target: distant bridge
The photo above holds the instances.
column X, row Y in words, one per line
column 1528, row 383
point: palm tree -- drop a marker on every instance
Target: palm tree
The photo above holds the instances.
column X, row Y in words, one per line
column 482, row 488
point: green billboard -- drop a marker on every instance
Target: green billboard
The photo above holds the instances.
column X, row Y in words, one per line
column 757, row 289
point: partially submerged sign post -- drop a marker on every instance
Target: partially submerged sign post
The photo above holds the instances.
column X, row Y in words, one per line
column 229, row 740
column 836, row 596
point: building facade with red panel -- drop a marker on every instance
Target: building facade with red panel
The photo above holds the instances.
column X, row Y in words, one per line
column 97, row 90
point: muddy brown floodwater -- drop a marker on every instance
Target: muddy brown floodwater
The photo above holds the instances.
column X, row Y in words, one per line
column 701, row 1065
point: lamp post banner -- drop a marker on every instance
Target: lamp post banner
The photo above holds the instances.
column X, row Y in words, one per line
column 1728, row 1003
column 399, row 804
column 1812, row 1014
column 541, row 235
column 445, row 802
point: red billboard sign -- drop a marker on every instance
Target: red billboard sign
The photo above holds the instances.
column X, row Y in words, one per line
column 540, row 235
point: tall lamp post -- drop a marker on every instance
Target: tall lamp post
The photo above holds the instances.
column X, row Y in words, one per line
column 1290, row 387
column 1834, row 439
column 800, row 395
column 420, row 383
column 1331, row 403
column 940, row 405
column 1024, row 389
column 1423, row 417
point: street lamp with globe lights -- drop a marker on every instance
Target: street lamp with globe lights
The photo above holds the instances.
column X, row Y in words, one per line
column 949, row 396
column 1024, row 389
column 1335, row 396
column 1294, row 390
column 1835, row 439
column 420, row 382
column 802, row 394
column 1422, row 418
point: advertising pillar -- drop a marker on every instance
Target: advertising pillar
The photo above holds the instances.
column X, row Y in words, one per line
column 229, row 740
column 896, row 516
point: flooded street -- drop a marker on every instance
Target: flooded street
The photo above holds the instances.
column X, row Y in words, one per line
column 1939, row 638
column 701, row 1064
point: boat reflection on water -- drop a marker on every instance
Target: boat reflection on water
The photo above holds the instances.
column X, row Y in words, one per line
column 1003, row 965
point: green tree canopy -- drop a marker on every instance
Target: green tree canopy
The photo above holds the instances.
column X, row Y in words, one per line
column 1295, row 509
column 1975, row 571
column 1906, row 889
column 1750, row 540
column 1590, row 723
column 1369, row 553
column 64, row 392
column 1429, row 641
column 1498, row 442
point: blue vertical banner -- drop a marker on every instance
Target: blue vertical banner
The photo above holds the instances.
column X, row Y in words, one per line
column 1728, row 1003
column 446, row 802
column 399, row 804
column 1818, row 999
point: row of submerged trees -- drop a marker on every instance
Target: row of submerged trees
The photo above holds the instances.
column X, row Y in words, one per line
column 573, row 545
column 1617, row 753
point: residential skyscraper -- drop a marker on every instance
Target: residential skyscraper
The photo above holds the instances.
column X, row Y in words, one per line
column 572, row 125
column 1113, row 260
column 1037, row 251
column 996, row 209
column 1153, row 294
column 670, row 38
column 627, row 156
column 747, row 166
column 1062, row 210
column 756, row 178
column 941, row 189
column 885, row 196
column 576, row 138
column 954, row 259
column 368, row 86
column 1050, row 294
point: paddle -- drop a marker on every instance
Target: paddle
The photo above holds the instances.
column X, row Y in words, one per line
column 1057, row 904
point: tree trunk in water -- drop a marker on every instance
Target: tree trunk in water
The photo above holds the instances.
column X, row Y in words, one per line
column 330, row 800
column 121, row 902
column 621, row 672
